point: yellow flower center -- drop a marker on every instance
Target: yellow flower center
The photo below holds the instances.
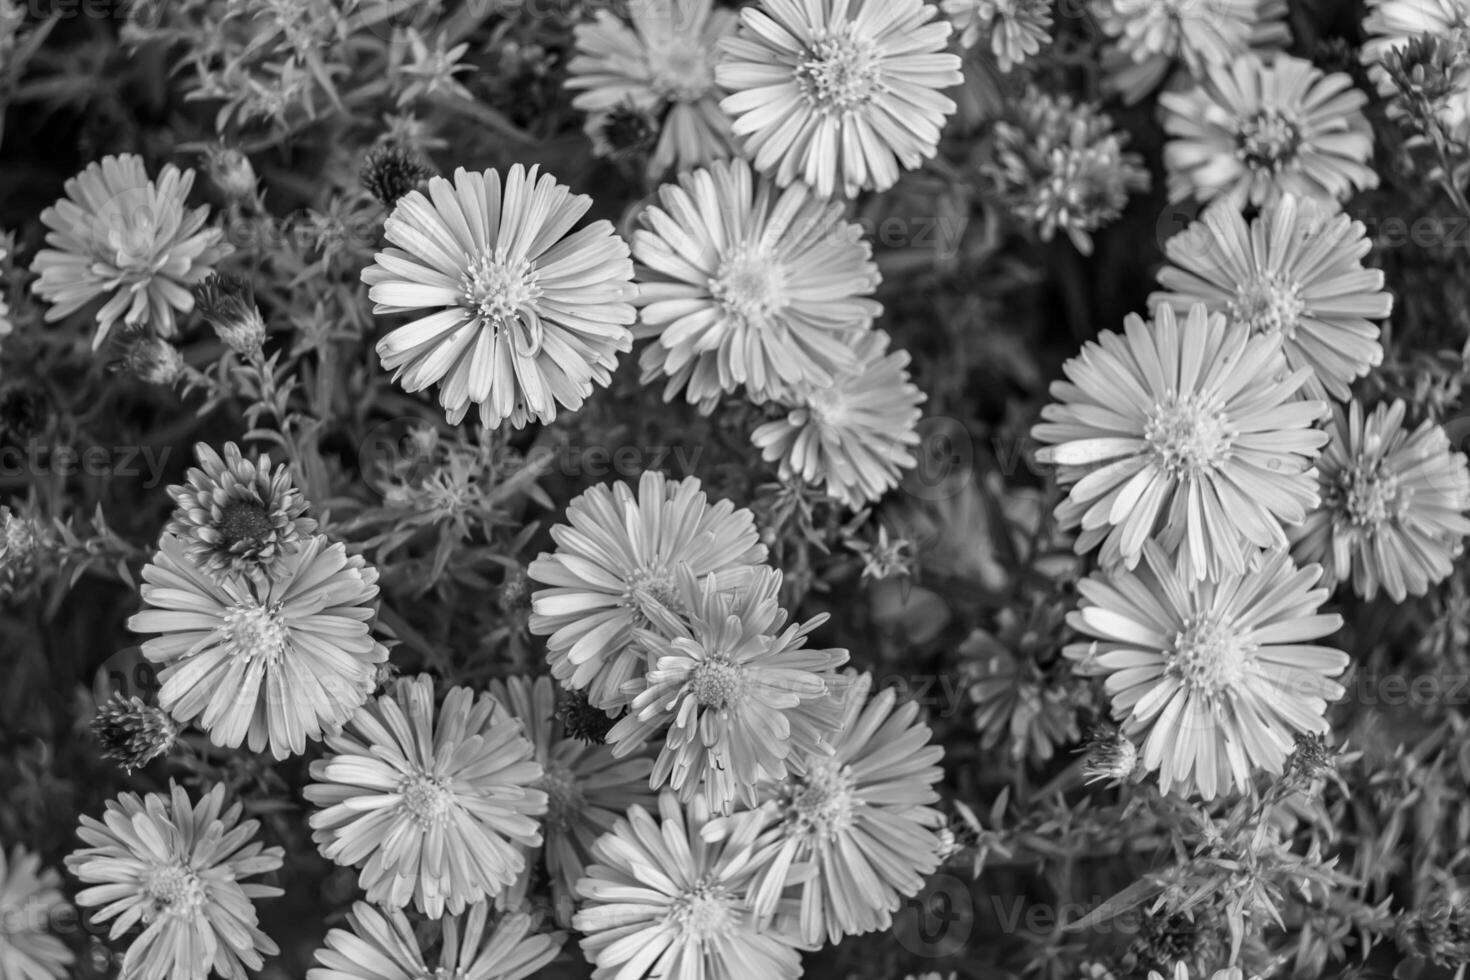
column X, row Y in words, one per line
column 841, row 72
column 681, row 70
column 821, row 805
column 1269, row 304
column 703, row 912
column 504, row 291
column 1189, row 434
column 717, row 683
column 172, row 889
column 1209, row 657
column 1369, row 495
column 751, row 287
column 253, row 631
column 427, row 799
column 1268, row 140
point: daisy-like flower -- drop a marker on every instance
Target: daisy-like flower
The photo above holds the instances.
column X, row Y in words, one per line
column 1251, row 131
column 1215, row 676
column 614, row 562
column 1393, row 504
column 742, row 283
column 236, row 516
column 527, row 317
column 1295, row 270
column 663, row 902
column 1192, row 432
column 119, row 235
column 660, row 60
column 1016, row 29
column 1392, row 24
column 839, row 93
column 856, row 833
column 29, row 899
column 382, row 945
column 735, row 699
column 587, row 787
column 855, row 435
column 178, row 869
column 436, row 808
column 1149, row 36
column 262, row 662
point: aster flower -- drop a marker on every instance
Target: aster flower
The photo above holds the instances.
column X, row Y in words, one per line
column 838, row 93
column 587, row 787
column 133, row 733
column 227, row 304
column 1189, row 431
column 527, row 317
column 1251, row 131
column 391, row 170
column 735, row 699
column 1215, row 676
column 659, row 60
column 25, row 545
column 436, row 808
column 178, row 869
column 742, row 283
column 855, row 833
column 1061, row 166
column 257, row 661
column 1295, row 270
column 382, row 945
column 1393, row 504
column 151, row 359
column 119, row 235
column 663, row 901
column 854, row 435
column 614, row 562
column 1016, row 29
column 29, row 899
column 1392, row 25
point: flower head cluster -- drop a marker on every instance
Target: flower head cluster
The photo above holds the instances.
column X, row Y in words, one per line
column 121, row 236
column 527, row 316
column 1189, row 431
column 1295, row 270
column 437, row 807
column 30, row 898
column 1213, row 676
column 660, row 61
column 391, row 170
column 854, row 435
column 1060, row 166
column 25, row 542
column 1015, row 29
column 1422, row 41
column 1394, row 502
column 133, row 733
column 838, row 93
column 1251, row 131
column 178, row 869
column 613, row 570
column 227, row 304
column 264, row 661
column 745, row 284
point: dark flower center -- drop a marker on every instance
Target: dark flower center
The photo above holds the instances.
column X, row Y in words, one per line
column 628, row 129
column 245, row 522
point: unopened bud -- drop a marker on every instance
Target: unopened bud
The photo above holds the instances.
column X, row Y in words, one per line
column 227, row 304
column 231, row 172
column 150, row 358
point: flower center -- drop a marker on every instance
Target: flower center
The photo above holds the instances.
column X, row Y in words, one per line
column 1269, row 304
column 1209, row 656
column 681, row 70
column 426, row 798
column 245, row 521
column 703, row 912
column 504, row 291
column 173, row 889
column 751, row 287
column 1189, row 434
column 563, row 796
column 251, row 630
column 827, row 406
column 841, row 72
column 648, row 589
column 1369, row 495
column 1268, row 140
column 717, row 683
column 822, row 803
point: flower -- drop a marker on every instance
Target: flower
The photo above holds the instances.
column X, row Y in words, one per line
column 179, row 869
column 855, row 833
column 1191, row 432
column 587, row 787
column 528, row 316
column 227, row 303
column 234, row 516
column 26, row 544
column 431, row 70
column 1215, row 675
column 1111, row 757
column 230, row 170
column 744, row 284
column 1060, row 166
column 30, row 898
column 838, row 93
column 121, row 235
column 262, row 661
column 1393, row 504
column 382, row 945
column 1252, row 131
column 151, row 359
column 854, row 435
column 659, row 60
column 1016, row 28
column 391, row 170
column 663, row 901
column 614, row 562
column 742, row 700
column 436, row 812
column 133, row 733
column 1391, row 26
column 1148, row 36
column 1296, row 270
